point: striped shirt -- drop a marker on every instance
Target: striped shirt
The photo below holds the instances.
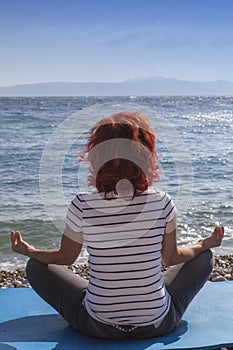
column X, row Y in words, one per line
column 123, row 237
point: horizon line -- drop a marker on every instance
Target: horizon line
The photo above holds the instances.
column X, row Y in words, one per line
column 114, row 82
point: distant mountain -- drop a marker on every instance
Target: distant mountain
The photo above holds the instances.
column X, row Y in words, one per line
column 139, row 87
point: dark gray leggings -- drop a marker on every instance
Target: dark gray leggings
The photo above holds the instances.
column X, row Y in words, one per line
column 65, row 291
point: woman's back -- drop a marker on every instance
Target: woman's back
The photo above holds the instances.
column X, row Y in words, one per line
column 124, row 241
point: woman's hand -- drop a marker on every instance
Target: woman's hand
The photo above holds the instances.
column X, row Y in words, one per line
column 18, row 244
column 66, row 255
column 215, row 239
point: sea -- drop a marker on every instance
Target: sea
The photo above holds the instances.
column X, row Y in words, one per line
column 41, row 173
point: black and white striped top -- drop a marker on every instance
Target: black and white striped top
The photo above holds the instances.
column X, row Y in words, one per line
column 123, row 237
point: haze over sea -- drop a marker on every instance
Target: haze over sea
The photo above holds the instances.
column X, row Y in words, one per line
column 201, row 172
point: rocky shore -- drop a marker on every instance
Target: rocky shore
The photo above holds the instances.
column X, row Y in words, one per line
column 223, row 270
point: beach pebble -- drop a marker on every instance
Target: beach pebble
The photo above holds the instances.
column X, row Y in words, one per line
column 218, row 279
column 17, row 284
column 219, row 272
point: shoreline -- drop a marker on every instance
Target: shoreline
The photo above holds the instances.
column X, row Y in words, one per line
column 223, row 271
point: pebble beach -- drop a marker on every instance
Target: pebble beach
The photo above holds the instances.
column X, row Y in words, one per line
column 223, row 271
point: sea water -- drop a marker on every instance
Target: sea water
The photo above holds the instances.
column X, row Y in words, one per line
column 194, row 145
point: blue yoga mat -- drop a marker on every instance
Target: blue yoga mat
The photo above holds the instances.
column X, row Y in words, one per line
column 28, row 323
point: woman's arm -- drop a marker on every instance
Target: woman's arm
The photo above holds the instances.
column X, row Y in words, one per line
column 173, row 255
column 67, row 253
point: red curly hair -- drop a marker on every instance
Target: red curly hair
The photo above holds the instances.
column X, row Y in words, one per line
column 121, row 147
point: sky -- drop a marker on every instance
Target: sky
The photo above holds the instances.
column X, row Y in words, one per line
column 115, row 40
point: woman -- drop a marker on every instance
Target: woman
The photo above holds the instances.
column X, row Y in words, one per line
column 128, row 228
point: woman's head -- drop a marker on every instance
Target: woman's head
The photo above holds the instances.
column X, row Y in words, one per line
column 121, row 147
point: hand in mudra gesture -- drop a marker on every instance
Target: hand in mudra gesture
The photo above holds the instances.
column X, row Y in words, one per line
column 215, row 239
column 18, row 244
